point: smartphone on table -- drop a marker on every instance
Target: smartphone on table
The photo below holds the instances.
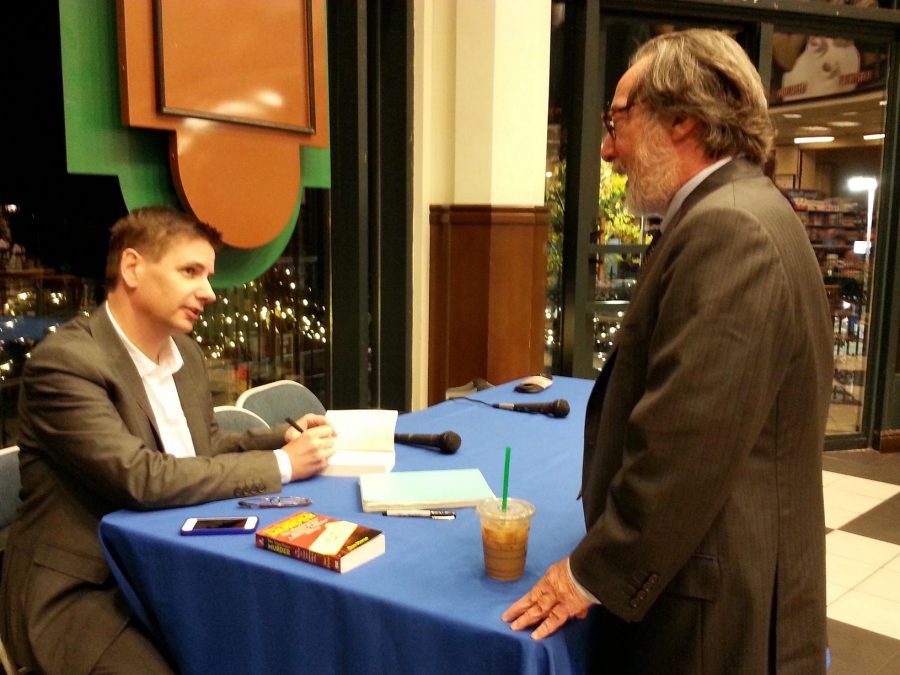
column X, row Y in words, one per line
column 220, row 525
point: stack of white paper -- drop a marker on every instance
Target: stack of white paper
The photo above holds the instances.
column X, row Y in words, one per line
column 364, row 442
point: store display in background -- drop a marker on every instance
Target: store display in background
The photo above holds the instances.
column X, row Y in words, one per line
column 812, row 66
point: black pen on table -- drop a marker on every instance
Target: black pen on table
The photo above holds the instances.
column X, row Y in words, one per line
column 294, row 424
column 434, row 514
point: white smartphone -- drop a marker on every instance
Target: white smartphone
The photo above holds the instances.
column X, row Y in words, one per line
column 220, row 525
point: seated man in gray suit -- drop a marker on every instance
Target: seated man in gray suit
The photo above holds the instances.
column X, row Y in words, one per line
column 702, row 484
column 115, row 413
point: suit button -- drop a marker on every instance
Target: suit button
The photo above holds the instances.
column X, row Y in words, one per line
column 634, row 604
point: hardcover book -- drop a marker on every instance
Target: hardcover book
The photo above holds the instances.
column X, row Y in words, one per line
column 328, row 542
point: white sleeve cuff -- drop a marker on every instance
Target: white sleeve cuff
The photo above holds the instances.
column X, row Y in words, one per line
column 284, row 465
column 585, row 593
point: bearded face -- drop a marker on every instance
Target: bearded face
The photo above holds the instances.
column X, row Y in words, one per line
column 651, row 170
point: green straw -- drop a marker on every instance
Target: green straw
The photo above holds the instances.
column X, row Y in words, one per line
column 506, row 478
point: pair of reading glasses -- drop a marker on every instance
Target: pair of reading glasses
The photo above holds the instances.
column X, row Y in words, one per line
column 275, row 502
column 609, row 120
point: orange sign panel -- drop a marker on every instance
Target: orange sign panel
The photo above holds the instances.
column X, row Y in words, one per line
column 241, row 86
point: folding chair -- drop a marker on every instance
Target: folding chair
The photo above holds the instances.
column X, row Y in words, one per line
column 278, row 400
column 232, row 418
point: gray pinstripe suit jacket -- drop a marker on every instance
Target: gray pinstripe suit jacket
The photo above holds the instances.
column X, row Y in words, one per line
column 703, row 441
column 89, row 445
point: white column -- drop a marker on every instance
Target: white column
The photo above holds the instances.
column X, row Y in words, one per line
column 481, row 76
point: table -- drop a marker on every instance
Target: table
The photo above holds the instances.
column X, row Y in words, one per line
column 425, row 606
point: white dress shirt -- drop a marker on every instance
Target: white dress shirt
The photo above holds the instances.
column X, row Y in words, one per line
column 162, row 393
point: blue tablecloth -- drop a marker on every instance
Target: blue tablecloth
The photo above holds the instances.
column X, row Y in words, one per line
column 426, row 606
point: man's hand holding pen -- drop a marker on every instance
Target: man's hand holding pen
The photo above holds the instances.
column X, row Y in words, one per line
column 309, row 442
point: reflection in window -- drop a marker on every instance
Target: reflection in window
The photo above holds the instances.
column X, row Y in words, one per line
column 35, row 299
column 616, row 263
column 271, row 328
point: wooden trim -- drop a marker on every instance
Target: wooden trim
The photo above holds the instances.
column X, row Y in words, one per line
column 889, row 440
column 488, row 288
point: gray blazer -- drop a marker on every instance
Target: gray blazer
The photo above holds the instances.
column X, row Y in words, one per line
column 90, row 445
column 703, row 441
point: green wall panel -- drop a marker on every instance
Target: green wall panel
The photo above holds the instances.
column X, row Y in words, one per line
column 96, row 141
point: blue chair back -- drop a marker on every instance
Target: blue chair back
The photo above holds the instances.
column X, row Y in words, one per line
column 277, row 400
column 232, row 418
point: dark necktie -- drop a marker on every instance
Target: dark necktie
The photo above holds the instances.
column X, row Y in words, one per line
column 657, row 237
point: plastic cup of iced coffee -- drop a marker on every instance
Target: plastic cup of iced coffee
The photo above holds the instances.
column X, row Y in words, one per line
column 504, row 535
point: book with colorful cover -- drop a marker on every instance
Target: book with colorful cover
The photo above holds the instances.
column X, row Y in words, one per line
column 332, row 543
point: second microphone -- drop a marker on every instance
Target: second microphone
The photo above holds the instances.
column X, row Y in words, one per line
column 557, row 408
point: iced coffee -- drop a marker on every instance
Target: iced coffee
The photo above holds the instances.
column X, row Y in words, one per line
column 504, row 535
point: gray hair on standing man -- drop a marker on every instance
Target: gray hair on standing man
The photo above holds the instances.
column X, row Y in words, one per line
column 705, row 74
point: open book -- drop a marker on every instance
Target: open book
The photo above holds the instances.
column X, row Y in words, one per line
column 364, row 442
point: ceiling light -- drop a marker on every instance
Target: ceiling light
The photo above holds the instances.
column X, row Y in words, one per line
column 792, row 116
column 849, row 113
column 814, row 128
column 873, row 137
column 843, row 124
column 882, row 102
column 814, row 139
column 862, row 183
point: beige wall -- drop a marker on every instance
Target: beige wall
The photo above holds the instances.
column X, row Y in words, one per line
column 481, row 73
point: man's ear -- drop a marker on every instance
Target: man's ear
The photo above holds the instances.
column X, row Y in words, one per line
column 684, row 127
column 130, row 267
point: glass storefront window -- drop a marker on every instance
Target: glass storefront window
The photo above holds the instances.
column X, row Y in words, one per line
column 828, row 86
column 827, row 103
column 273, row 327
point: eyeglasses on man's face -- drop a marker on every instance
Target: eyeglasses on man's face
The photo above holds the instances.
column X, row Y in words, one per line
column 609, row 120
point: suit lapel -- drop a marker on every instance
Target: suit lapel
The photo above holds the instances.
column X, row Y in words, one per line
column 106, row 336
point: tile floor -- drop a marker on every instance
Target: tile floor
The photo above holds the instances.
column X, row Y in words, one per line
column 862, row 516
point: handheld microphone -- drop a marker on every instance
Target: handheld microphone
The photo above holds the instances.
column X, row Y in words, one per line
column 447, row 443
column 557, row 408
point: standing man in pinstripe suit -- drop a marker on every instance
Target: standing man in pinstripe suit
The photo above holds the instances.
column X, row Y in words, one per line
column 703, row 438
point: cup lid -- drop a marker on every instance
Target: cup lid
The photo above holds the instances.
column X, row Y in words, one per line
column 516, row 509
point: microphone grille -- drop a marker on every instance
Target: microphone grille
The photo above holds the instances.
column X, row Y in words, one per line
column 561, row 408
column 450, row 442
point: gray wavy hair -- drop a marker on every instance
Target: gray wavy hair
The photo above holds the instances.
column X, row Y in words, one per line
column 705, row 74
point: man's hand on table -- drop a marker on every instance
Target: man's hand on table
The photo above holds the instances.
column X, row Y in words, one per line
column 550, row 603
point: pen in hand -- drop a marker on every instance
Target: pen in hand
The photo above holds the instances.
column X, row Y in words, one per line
column 294, row 424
